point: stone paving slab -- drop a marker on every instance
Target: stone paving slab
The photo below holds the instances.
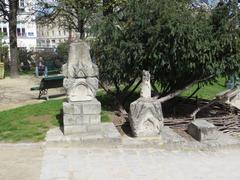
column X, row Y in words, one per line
column 21, row 161
column 146, row 163
column 110, row 137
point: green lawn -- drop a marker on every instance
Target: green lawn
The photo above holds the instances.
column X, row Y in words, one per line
column 31, row 122
column 207, row 92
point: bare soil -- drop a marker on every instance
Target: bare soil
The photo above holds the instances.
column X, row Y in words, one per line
column 16, row 92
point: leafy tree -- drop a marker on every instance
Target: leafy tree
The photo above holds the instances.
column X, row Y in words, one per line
column 62, row 51
column 8, row 11
column 178, row 44
column 71, row 14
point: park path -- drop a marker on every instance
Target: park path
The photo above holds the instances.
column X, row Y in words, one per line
column 38, row 161
column 16, row 92
column 140, row 164
column 20, row 161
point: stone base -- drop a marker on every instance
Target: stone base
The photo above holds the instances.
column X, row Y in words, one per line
column 202, row 130
column 81, row 117
column 104, row 134
column 146, row 118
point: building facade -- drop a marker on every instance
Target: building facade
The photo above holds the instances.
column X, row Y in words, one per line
column 26, row 26
column 50, row 35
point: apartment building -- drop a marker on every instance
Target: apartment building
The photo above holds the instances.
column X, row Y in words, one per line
column 26, row 26
column 50, row 35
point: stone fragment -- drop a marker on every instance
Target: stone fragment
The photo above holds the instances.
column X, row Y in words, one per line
column 79, row 62
column 202, row 130
column 146, row 85
column 81, row 74
column 146, row 118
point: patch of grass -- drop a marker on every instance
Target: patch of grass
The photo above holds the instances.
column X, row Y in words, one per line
column 105, row 116
column 207, row 92
column 31, row 122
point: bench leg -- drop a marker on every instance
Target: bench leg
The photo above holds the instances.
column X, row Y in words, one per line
column 47, row 97
column 43, row 92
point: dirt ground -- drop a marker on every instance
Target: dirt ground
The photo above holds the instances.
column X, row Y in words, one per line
column 20, row 161
column 16, row 92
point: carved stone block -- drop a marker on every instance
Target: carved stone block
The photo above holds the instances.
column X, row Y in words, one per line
column 79, row 61
column 81, row 89
column 146, row 118
column 202, row 130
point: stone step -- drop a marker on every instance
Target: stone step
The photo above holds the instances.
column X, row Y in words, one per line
column 104, row 135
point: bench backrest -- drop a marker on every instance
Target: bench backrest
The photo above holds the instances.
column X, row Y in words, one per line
column 51, row 82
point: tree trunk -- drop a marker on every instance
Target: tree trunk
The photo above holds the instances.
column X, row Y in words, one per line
column 107, row 7
column 81, row 28
column 13, row 8
column 70, row 38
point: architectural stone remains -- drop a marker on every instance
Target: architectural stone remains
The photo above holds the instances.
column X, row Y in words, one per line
column 202, row 130
column 81, row 74
column 146, row 118
column 146, row 85
column 82, row 111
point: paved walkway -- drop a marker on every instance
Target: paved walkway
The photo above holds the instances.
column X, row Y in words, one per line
column 20, row 161
column 150, row 164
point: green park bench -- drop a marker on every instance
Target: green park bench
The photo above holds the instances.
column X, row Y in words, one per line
column 48, row 83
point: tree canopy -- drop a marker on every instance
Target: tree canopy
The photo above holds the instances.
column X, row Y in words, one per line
column 70, row 14
column 177, row 43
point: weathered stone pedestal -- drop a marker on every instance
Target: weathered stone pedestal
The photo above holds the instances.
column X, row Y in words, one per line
column 146, row 117
column 82, row 111
column 201, row 130
column 81, row 117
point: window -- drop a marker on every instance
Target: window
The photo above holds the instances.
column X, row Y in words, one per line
column 18, row 32
column 5, row 31
column 48, row 43
column 64, row 32
column 53, row 41
column 53, row 33
column 30, row 34
column 59, row 32
column 23, row 32
column 21, row 4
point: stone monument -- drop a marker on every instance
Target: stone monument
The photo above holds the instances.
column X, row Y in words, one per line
column 145, row 117
column 82, row 110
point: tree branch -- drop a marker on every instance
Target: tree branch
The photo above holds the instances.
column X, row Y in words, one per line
column 172, row 95
column 194, row 92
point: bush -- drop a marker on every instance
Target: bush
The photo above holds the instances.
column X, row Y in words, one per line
column 25, row 58
column 62, row 51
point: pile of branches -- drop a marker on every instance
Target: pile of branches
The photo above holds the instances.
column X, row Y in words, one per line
column 223, row 116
